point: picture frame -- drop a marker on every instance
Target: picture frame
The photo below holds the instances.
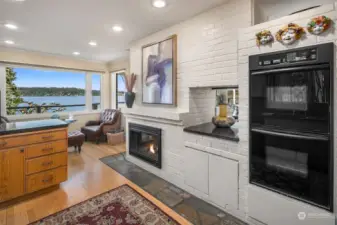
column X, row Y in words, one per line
column 159, row 72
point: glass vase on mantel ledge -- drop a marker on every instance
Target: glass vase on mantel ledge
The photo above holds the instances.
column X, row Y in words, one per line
column 222, row 118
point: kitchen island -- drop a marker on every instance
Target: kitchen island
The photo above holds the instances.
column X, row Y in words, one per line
column 33, row 156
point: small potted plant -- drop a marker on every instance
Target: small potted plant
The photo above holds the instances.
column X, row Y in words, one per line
column 130, row 81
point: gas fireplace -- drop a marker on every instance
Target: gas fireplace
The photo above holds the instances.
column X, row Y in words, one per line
column 145, row 143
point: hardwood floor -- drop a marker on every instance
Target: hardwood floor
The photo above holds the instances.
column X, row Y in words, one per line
column 87, row 177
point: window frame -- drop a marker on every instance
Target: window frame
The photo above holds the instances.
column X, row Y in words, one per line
column 88, row 91
column 101, row 91
column 119, row 73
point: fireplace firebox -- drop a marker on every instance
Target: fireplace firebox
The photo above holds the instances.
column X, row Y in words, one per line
column 145, row 143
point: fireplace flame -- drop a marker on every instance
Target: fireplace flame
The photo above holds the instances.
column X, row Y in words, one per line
column 152, row 149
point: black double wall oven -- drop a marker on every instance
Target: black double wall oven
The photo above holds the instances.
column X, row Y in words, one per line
column 291, row 123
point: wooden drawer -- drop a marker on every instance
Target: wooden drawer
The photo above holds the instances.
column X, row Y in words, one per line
column 46, row 179
column 50, row 136
column 10, row 142
column 21, row 140
column 46, row 148
column 46, row 163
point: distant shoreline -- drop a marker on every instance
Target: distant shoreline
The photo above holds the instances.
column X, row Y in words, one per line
column 54, row 91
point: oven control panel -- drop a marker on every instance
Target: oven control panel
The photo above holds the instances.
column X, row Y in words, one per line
column 289, row 57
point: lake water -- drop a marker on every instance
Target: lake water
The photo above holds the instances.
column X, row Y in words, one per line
column 63, row 100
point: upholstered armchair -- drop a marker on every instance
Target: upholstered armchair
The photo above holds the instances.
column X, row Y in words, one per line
column 110, row 119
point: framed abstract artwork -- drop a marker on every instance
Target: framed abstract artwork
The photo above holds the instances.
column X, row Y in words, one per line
column 159, row 72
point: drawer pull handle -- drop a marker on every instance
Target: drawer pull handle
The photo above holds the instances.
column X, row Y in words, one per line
column 47, row 180
column 47, row 137
column 3, row 144
column 47, row 163
column 47, row 149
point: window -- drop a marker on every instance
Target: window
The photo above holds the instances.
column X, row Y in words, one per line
column 229, row 96
column 96, row 91
column 46, row 90
column 120, row 90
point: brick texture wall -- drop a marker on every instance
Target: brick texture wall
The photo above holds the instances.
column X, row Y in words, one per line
column 207, row 50
column 247, row 46
column 207, row 57
column 213, row 52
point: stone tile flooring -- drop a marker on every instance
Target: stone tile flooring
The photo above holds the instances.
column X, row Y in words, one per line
column 195, row 210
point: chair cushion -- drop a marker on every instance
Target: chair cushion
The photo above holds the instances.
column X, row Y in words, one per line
column 92, row 128
column 75, row 138
column 108, row 115
column 75, row 134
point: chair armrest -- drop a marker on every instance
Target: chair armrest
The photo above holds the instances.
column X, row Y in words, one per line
column 102, row 125
column 92, row 123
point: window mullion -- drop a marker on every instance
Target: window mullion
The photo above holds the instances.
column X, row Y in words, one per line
column 88, row 92
column 102, row 90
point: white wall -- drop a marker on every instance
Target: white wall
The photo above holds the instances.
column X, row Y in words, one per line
column 267, row 10
column 211, row 53
column 120, row 64
column 14, row 56
column 277, row 209
column 207, row 57
column 207, row 51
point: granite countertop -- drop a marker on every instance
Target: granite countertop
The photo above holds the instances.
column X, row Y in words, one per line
column 209, row 129
column 29, row 126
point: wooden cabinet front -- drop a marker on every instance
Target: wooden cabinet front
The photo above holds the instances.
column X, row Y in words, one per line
column 32, row 161
column 11, row 173
column 46, row 163
column 28, row 139
column 46, row 179
column 13, row 141
column 46, row 148
column 50, row 136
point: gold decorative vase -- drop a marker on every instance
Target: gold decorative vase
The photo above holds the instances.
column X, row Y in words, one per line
column 221, row 120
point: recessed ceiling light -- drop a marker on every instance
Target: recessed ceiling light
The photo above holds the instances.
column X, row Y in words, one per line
column 11, row 26
column 9, row 42
column 93, row 43
column 159, row 3
column 76, row 53
column 117, row 28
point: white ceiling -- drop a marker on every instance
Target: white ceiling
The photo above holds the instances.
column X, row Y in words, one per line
column 64, row 26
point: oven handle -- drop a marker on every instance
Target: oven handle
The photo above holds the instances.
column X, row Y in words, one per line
column 312, row 67
column 298, row 136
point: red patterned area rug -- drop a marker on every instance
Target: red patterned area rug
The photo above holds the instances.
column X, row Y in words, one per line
column 120, row 206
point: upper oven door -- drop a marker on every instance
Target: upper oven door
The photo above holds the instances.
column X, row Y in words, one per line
column 287, row 96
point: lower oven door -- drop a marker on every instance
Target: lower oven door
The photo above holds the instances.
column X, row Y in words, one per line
column 298, row 166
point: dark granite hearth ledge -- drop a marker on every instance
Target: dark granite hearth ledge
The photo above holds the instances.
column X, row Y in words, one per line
column 30, row 126
column 208, row 129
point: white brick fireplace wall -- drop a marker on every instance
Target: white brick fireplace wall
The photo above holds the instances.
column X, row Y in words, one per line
column 212, row 53
column 207, row 57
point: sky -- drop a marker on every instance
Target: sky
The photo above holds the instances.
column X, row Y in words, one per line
column 27, row 77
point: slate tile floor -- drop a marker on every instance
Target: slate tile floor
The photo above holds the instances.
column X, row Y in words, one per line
column 195, row 210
